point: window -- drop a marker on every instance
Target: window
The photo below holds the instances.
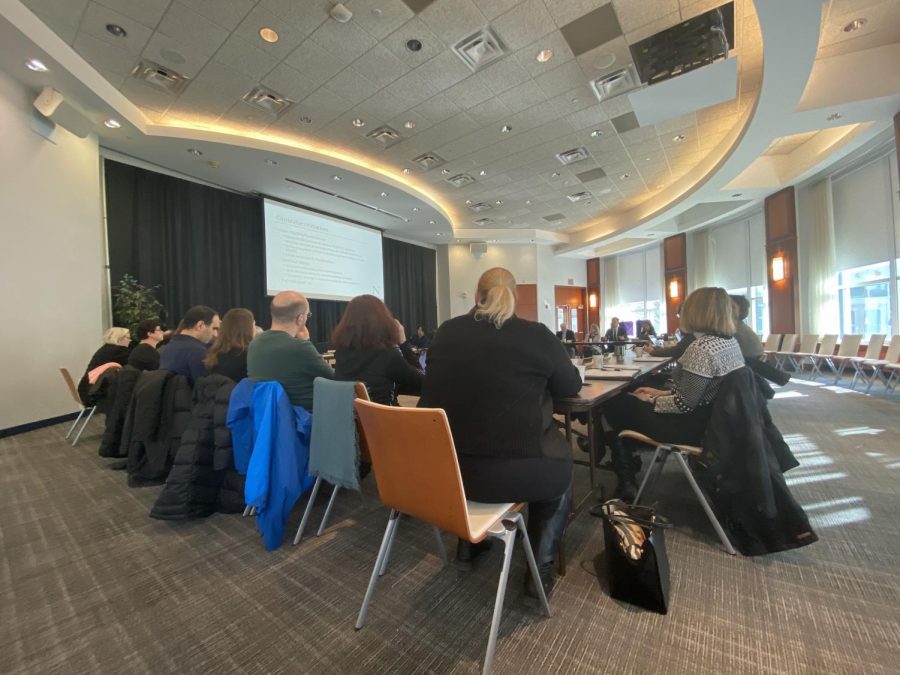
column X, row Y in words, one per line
column 640, row 281
column 864, row 294
column 739, row 265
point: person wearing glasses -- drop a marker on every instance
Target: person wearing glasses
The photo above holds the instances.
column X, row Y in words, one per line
column 278, row 355
column 145, row 355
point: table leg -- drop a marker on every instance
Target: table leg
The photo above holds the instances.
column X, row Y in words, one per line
column 592, row 451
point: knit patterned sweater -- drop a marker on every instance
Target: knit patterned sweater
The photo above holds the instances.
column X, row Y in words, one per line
column 698, row 373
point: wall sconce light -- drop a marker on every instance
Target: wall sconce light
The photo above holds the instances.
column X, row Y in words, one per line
column 674, row 291
column 778, row 268
column 592, row 301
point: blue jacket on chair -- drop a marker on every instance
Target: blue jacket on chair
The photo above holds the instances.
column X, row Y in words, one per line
column 271, row 445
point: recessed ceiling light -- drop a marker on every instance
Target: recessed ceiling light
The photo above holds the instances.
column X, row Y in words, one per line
column 409, row 124
column 445, row 171
column 36, row 65
column 416, row 209
column 438, row 234
column 173, row 56
column 195, row 152
column 605, row 191
column 336, row 177
column 834, row 116
column 305, row 120
column 505, row 129
column 384, row 194
column 605, row 61
column 527, row 202
column 596, row 133
column 499, row 202
column 116, row 30
column 468, row 202
column 482, row 173
column 431, row 222
column 414, row 45
column 407, row 170
column 738, row 194
column 678, row 138
column 112, row 124
column 856, row 24
column 271, row 162
column 625, row 176
column 358, row 123
column 555, row 174
column 544, row 55
column 268, row 34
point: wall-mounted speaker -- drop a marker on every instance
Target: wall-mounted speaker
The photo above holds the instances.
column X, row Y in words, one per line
column 477, row 249
column 52, row 105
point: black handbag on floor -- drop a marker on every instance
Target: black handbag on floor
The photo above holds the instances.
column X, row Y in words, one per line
column 636, row 561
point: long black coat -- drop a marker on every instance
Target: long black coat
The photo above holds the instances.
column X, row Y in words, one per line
column 117, row 399
column 158, row 414
column 196, row 485
column 744, row 457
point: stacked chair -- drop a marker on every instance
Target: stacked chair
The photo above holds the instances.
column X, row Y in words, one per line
column 789, row 347
column 807, row 346
column 873, row 352
column 849, row 349
column 771, row 345
column 816, row 358
column 886, row 369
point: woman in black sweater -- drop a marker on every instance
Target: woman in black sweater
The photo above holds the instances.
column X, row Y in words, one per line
column 228, row 354
column 496, row 375
column 115, row 349
column 366, row 350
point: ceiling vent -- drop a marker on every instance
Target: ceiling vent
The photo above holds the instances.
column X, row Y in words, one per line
column 429, row 160
column 159, row 76
column 460, row 179
column 573, row 155
column 553, row 217
column 614, row 84
column 480, row 206
column 480, row 49
column 385, row 135
column 579, row 196
column 270, row 102
column 481, row 222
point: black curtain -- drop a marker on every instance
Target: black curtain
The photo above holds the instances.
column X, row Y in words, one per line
column 410, row 285
column 201, row 245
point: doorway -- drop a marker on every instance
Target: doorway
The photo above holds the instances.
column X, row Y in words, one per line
column 570, row 310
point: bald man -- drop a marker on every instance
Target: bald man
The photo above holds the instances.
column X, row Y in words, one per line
column 280, row 354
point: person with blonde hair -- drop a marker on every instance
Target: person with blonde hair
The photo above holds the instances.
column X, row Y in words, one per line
column 679, row 414
column 496, row 375
column 115, row 349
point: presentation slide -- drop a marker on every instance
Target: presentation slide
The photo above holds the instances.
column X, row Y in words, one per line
column 319, row 256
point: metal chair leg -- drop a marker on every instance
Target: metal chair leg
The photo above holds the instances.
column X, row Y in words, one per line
column 83, row 426
column 442, row 550
column 705, row 504
column 327, row 511
column 307, row 511
column 509, row 538
column 383, row 552
column 532, row 563
column 659, row 449
column 247, row 510
column 75, row 423
column 387, row 556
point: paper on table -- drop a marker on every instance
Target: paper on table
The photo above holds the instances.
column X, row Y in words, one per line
column 655, row 359
column 611, row 373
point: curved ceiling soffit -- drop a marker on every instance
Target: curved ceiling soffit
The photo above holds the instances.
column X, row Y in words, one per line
column 36, row 31
column 790, row 35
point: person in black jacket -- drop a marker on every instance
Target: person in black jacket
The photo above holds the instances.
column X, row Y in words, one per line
column 115, row 349
column 145, row 356
column 496, row 376
column 228, row 354
column 366, row 349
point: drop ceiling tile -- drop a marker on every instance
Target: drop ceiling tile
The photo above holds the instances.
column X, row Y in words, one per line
column 94, row 22
column 422, row 123
column 55, row 13
column 345, row 41
column 224, row 78
column 313, row 60
column 639, row 135
column 290, row 82
column 443, row 71
column 324, row 105
column 617, row 106
column 245, row 57
column 567, row 11
column 469, row 93
column 452, row 20
column 188, row 27
column 146, row 12
column 380, row 66
column 103, row 55
column 380, row 18
column 563, row 78
column 225, row 14
column 555, row 42
column 145, row 96
column 288, row 36
column 438, row 108
column 589, row 118
column 605, row 59
column 633, row 15
column 494, row 8
column 502, row 75
column 523, row 96
column 591, row 175
column 490, row 111
column 183, row 58
column 207, row 103
column 523, row 24
column 305, row 16
column 245, row 118
column 653, row 27
column 351, row 85
column 381, row 106
column 591, row 30
column 410, row 89
column 418, row 30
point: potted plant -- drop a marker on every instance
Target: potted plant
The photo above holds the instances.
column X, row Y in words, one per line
column 133, row 302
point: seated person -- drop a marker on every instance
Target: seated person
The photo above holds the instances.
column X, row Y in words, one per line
column 496, row 376
column 145, row 356
column 366, row 349
column 565, row 333
column 750, row 344
column 679, row 414
column 280, row 354
column 646, row 331
column 419, row 340
column 228, row 354
column 115, row 349
column 187, row 348
column 615, row 333
column 595, row 338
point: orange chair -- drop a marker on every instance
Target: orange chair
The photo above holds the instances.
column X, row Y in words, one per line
column 73, row 389
column 415, row 466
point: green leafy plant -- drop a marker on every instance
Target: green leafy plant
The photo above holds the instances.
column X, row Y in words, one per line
column 133, row 302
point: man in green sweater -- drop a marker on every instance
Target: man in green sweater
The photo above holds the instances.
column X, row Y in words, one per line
column 279, row 354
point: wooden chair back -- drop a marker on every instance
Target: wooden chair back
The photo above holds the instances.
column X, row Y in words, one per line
column 772, row 342
column 826, row 347
column 414, row 461
column 789, row 344
column 850, row 345
column 873, row 350
column 893, row 350
column 808, row 344
column 73, row 388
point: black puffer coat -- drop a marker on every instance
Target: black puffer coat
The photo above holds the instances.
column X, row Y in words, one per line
column 194, row 488
column 157, row 417
column 117, row 399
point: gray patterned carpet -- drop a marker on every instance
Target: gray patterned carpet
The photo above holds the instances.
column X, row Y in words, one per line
column 89, row 583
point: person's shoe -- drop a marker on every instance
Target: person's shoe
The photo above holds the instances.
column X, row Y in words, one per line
column 583, row 443
column 467, row 552
column 626, row 490
column 548, row 581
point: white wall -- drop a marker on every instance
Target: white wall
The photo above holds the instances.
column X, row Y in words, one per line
column 555, row 271
column 51, row 261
